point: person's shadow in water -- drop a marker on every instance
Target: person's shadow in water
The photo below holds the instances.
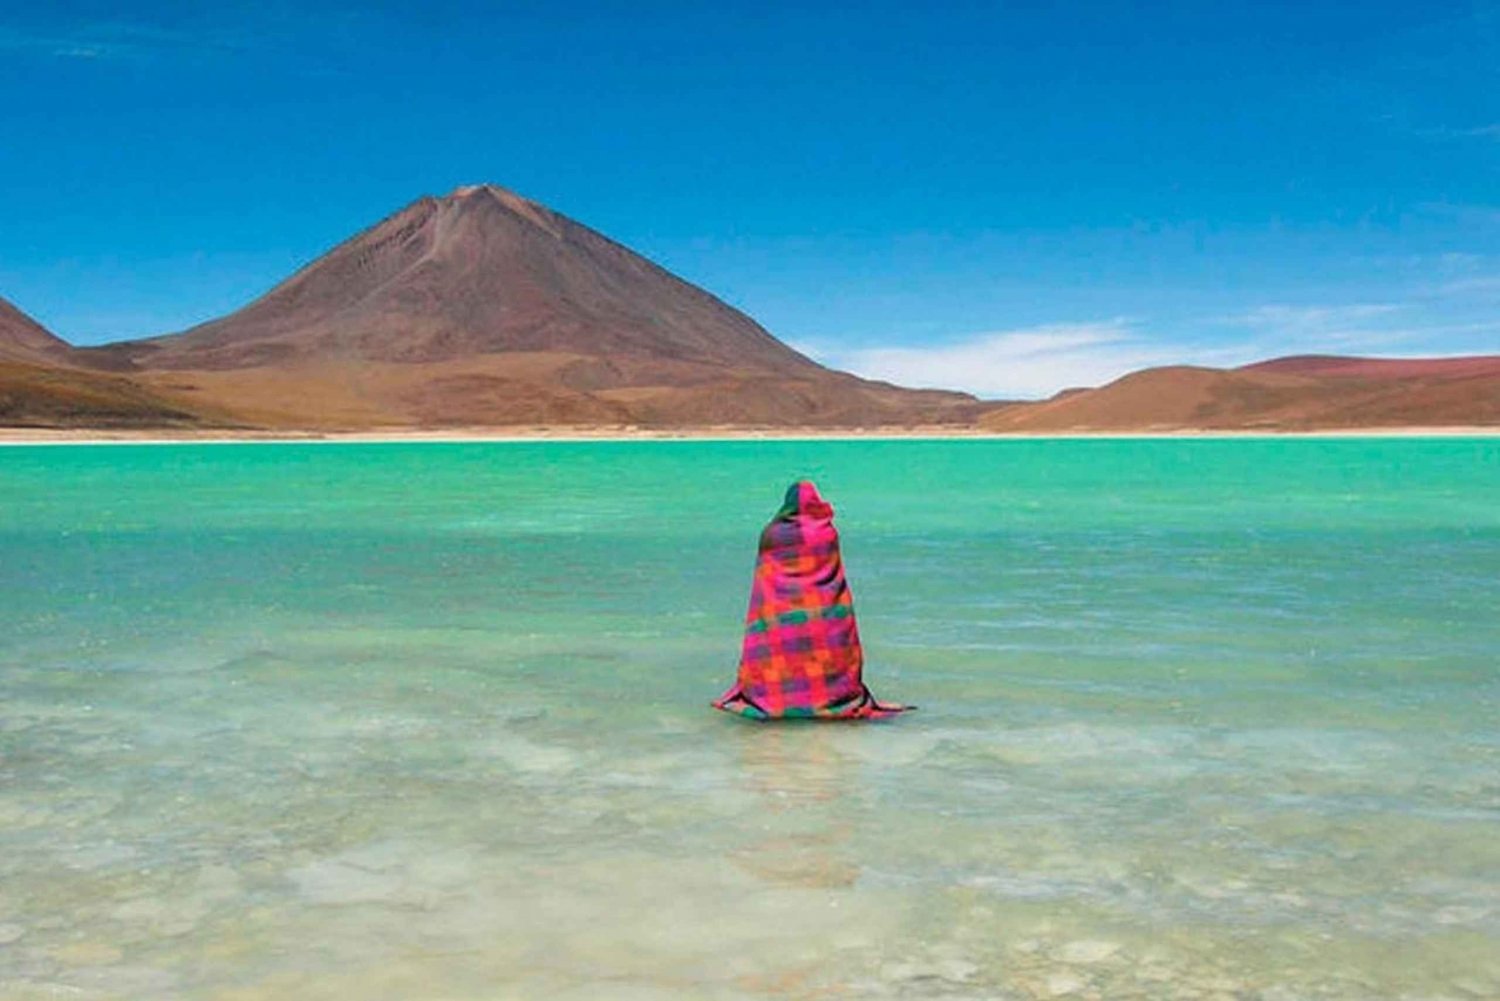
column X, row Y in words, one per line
column 808, row 796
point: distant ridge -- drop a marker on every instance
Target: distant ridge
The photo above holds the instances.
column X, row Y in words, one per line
column 1381, row 368
column 1300, row 393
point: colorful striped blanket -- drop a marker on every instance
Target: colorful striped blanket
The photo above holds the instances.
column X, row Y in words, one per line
column 801, row 655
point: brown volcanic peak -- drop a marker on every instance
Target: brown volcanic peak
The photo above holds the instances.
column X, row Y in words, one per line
column 1290, row 394
column 484, row 308
column 480, row 271
column 22, row 339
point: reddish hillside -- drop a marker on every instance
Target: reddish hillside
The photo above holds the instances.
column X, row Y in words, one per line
column 485, row 308
column 1380, row 368
column 1289, row 394
column 58, row 396
column 41, row 386
column 22, row 339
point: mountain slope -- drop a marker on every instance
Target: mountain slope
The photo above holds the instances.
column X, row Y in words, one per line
column 55, row 396
column 41, row 385
column 22, row 339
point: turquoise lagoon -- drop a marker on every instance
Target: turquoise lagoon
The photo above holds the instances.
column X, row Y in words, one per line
column 1199, row 719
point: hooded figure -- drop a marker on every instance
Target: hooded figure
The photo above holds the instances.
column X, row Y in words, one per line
column 801, row 656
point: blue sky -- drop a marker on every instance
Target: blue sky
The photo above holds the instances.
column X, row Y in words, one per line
column 1009, row 198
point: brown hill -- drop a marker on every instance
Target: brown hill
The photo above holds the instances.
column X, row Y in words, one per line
column 58, row 396
column 22, row 339
column 42, row 386
column 1287, row 394
column 1381, row 368
column 485, row 308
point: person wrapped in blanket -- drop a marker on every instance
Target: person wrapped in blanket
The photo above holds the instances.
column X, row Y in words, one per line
column 801, row 656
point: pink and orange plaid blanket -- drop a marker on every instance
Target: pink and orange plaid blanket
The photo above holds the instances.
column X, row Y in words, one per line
column 801, row 655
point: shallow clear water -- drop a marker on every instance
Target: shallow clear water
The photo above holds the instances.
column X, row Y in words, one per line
column 1200, row 719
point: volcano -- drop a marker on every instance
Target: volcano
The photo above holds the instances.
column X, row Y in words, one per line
column 483, row 307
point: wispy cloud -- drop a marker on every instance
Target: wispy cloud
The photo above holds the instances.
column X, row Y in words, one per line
column 1317, row 317
column 93, row 41
column 116, row 40
column 1491, row 131
column 1464, row 213
column 1481, row 285
column 125, row 41
column 305, row 43
column 1024, row 363
column 1409, row 329
column 1038, row 361
column 70, row 51
column 1321, row 328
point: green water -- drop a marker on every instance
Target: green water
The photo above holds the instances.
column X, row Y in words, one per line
column 1199, row 719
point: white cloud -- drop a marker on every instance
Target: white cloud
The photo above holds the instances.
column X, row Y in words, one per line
column 89, row 42
column 1009, row 364
column 119, row 40
column 1408, row 330
column 1465, row 213
column 1036, row 362
column 1315, row 317
column 1317, row 329
column 1481, row 285
column 1490, row 131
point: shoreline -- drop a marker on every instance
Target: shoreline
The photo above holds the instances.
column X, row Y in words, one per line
column 544, row 433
